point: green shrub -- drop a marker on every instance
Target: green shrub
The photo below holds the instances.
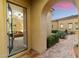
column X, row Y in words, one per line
column 54, row 31
column 61, row 34
column 52, row 40
column 58, row 34
column 56, row 38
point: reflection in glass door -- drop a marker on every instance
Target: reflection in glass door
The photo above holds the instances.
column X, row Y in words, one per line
column 15, row 29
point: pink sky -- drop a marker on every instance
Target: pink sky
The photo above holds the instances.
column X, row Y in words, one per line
column 64, row 9
column 64, row 5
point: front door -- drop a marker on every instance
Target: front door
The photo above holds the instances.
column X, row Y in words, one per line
column 16, row 29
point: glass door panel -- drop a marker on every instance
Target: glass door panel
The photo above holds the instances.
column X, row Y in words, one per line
column 16, row 29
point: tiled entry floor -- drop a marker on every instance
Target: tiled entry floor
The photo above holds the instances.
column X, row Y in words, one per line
column 63, row 49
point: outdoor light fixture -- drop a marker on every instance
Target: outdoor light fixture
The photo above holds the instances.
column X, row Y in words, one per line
column 52, row 9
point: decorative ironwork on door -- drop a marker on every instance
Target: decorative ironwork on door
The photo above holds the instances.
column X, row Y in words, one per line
column 9, row 29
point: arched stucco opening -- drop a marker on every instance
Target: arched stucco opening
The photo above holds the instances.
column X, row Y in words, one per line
column 38, row 24
column 39, row 11
column 45, row 10
column 44, row 22
column 44, row 19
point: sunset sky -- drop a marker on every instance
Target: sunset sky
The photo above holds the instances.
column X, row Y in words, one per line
column 63, row 9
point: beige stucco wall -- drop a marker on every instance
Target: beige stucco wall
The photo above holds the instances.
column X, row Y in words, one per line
column 37, row 31
column 3, row 39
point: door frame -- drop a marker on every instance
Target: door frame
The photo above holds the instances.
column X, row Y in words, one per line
column 25, row 26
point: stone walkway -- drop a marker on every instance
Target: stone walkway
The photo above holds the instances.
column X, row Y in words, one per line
column 63, row 49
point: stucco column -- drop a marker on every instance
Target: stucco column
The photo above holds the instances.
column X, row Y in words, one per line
column 38, row 26
column 39, row 10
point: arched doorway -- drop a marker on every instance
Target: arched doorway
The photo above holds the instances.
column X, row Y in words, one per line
column 39, row 10
column 45, row 10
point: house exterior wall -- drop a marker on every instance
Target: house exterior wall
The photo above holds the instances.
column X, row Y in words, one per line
column 65, row 22
column 36, row 21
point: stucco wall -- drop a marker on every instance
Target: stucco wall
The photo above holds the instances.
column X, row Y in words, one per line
column 3, row 40
column 37, row 31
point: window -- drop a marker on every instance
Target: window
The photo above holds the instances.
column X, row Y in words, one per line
column 70, row 26
column 76, row 26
